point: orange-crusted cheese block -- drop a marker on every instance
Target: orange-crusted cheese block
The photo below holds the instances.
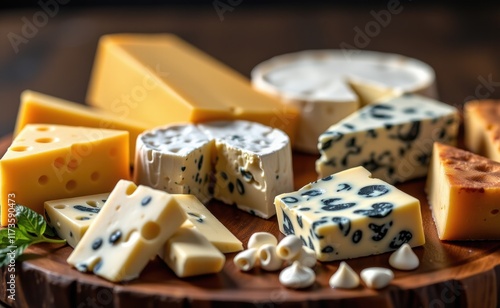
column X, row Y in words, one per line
column 464, row 193
column 482, row 127
column 38, row 108
column 47, row 162
column 161, row 79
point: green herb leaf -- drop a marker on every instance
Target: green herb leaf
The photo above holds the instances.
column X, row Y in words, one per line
column 29, row 220
column 31, row 229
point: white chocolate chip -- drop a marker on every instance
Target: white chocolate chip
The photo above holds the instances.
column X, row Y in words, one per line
column 377, row 277
column 268, row 258
column 297, row 276
column 306, row 257
column 344, row 278
column 260, row 238
column 289, row 247
column 246, row 260
column 404, row 258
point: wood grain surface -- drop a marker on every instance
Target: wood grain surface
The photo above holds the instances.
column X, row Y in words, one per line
column 451, row 273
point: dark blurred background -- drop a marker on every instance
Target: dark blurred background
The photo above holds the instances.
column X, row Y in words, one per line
column 49, row 45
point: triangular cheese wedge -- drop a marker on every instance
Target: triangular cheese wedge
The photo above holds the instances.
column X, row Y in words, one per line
column 464, row 193
column 38, row 108
column 47, row 162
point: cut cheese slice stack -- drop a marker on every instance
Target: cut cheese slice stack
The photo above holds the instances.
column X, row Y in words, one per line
column 238, row 162
column 464, row 193
column 328, row 85
column 392, row 139
column 350, row 214
column 38, row 108
column 47, row 162
column 160, row 79
column 482, row 127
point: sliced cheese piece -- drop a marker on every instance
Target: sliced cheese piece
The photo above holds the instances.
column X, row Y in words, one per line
column 253, row 164
column 464, row 193
column 161, row 79
column 188, row 253
column 133, row 225
column 350, row 214
column 208, row 225
column 175, row 159
column 328, row 85
column 72, row 217
column 38, row 108
column 48, row 162
column 392, row 139
column 482, row 127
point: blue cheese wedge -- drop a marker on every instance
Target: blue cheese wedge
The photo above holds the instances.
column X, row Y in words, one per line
column 237, row 162
column 350, row 214
column 71, row 217
column 392, row 139
column 253, row 164
column 175, row 159
column 132, row 226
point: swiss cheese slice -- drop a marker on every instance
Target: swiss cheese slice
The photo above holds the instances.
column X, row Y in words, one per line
column 464, row 193
column 328, row 85
column 48, row 162
column 38, row 108
column 160, row 79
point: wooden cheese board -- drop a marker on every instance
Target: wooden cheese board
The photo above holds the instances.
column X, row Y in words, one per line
column 450, row 274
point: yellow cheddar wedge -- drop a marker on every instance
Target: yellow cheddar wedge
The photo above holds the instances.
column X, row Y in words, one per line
column 47, row 162
column 160, row 79
column 482, row 127
column 464, row 193
column 39, row 108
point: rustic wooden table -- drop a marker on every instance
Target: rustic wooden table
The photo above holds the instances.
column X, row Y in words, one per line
column 54, row 55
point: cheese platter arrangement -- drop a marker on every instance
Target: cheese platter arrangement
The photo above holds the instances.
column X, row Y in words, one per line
column 186, row 185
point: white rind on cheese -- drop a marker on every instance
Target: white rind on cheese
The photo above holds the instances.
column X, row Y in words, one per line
column 328, row 85
column 253, row 164
column 350, row 214
column 392, row 139
column 132, row 226
column 238, row 162
column 175, row 159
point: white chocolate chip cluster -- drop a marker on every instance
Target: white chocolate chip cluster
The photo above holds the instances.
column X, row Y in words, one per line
column 263, row 250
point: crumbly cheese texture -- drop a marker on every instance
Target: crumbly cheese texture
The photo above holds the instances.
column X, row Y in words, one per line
column 482, row 127
column 350, row 214
column 175, row 159
column 249, row 163
column 328, row 85
column 38, row 108
column 72, row 217
column 253, row 164
column 48, row 162
column 392, row 139
column 160, row 79
column 189, row 253
column 464, row 193
column 131, row 228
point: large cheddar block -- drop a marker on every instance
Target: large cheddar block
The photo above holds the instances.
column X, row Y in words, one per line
column 47, row 162
column 464, row 193
column 350, row 214
column 38, row 108
column 160, row 79
column 482, row 127
column 133, row 225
